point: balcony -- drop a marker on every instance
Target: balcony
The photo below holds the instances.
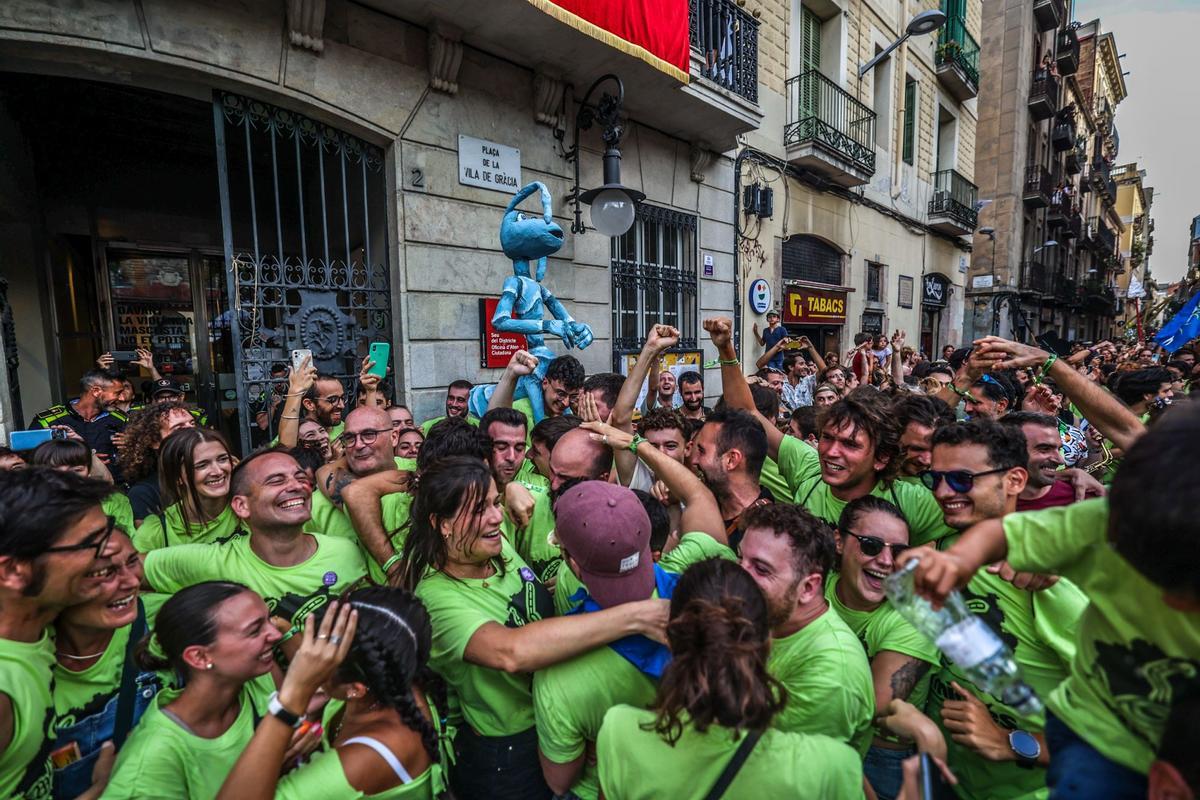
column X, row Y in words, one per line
column 535, row 36
column 1035, row 279
column 1043, row 95
column 1073, row 226
column 1101, row 237
column 1049, row 14
column 1062, row 137
column 957, row 60
column 1059, row 209
column 952, row 209
column 1066, row 57
column 726, row 37
column 1039, row 186
column 1076, row 156
column 828, row 131
column 1066, row 290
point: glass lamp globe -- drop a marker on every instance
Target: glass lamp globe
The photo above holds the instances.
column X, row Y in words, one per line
column 612, row 212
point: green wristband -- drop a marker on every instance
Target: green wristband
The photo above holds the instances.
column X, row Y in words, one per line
column 633, row 445
column 391, row 562
column 729, row 362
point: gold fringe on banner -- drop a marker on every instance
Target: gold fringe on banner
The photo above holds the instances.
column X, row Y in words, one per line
column 609, row 38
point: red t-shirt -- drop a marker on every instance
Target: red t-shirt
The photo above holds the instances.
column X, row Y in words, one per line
column 1062, row 493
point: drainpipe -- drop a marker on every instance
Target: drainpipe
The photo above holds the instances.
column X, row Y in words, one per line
column 898, row 152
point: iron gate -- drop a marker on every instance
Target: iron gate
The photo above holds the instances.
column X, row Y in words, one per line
column 306, row 247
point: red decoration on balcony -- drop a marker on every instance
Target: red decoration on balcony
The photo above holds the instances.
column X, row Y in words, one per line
column 655, row 31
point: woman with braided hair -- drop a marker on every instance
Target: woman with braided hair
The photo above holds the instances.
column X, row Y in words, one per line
column 709, row 729
column 381, row 732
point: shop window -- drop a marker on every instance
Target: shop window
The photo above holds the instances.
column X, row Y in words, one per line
column 654, row 278
column 808, row 259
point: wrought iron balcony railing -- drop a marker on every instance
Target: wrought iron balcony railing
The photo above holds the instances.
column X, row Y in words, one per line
column 1048, row 13
column 1104, row 241
column 1067, row 53
column 1035, row 278
column 821, row 113
column 957, row 47
column 726, row 37
column 1039, row 186
column 1043, row 95
column 954, row 196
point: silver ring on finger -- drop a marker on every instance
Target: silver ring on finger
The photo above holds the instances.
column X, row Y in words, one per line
column 335, row 640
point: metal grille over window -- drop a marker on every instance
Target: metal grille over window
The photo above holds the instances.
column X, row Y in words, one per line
column 654, row 278
column 807, row 258
column 305, row 243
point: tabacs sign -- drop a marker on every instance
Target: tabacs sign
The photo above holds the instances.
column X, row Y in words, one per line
column 814, row 306
column 488, row 165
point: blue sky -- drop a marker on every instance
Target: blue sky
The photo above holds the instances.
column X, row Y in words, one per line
column 1159, row 121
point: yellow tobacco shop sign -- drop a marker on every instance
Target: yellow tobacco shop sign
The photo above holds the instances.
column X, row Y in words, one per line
column 814, row 306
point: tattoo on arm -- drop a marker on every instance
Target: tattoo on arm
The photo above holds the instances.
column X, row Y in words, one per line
column 907, row 677
column 344, row 479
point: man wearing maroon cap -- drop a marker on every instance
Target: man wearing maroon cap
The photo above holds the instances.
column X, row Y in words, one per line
column 604, row 534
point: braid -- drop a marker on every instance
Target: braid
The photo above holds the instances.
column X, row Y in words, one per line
column 387, row 682
column 410, row 715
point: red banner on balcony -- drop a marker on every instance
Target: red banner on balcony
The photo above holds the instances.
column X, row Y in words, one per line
column 656, row 31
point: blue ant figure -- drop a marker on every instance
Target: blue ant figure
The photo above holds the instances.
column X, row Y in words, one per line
column 525, row 238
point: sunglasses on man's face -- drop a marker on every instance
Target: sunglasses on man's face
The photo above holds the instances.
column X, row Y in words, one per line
column 959, row 480
column 872, row 546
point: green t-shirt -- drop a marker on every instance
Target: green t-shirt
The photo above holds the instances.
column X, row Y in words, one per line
column 429, row 423
column 82, row 694
column 1135, row 657
column 885, row 629
column 528, row 474
column 800, row 466
column 117, row 506
column 150, row 536
column 290, row 592
column 1040, row 627
column 570, row 700
column 26, row 670
column 773, row 480
column 828, row 681
column 162, row 760
column 492, row 701
column 532, row 541
column 692, row 548
column 638, row 764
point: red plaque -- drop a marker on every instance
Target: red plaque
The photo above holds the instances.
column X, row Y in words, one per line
column 497, row 347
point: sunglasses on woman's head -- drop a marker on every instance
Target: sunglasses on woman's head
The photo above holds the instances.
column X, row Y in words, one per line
column 959, row 480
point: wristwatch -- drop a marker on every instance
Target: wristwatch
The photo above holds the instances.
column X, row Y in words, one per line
column 1027, row 748
column 276, row 709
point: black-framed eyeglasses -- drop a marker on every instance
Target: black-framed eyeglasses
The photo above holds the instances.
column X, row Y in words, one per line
column 90, row 542
column 368, row 437
column 335, row 400
column 873, row 545
column 960, row 480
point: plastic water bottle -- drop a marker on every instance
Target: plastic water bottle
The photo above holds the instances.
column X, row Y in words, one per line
column 965, row 639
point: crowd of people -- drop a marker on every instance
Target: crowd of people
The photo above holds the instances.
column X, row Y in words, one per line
column 634, row 595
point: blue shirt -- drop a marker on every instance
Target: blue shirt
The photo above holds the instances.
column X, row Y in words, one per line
column 772, row 338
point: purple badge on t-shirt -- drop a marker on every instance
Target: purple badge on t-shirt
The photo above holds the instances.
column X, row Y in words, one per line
column 526, row 574
column 330, row 578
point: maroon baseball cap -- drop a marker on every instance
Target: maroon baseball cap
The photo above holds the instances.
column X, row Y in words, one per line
column 606, row 531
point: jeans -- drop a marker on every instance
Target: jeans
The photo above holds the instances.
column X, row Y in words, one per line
column 497, row 767
column 882, row 767
column 1078, row 771
column 92, row 731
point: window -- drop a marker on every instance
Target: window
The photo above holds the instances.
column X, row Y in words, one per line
column 882, row 101
column 810, row 59
column 874, row 282
column 654, row 278
column 910, row 118
column 807, row 258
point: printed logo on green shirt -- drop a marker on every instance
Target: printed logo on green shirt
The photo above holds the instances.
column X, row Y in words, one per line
column 38, row 780
column 531, row 604
column 1143, row 682
column 988, row 607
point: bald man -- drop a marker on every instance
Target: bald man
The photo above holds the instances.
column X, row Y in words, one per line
column 577, row 457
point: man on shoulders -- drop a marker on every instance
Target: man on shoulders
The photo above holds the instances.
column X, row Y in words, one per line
column 325, row 401
column 560, row 388
column 295, row 572
column 691, row 390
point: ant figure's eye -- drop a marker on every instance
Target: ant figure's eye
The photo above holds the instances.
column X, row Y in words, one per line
column 520, row 217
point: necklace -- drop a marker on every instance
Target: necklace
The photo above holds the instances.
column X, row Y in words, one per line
column 82, row 658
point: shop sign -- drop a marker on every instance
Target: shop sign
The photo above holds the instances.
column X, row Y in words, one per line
column 814, row 306
column 496, row 347
column 933, row 290
column 760, row 296
column 488, row 165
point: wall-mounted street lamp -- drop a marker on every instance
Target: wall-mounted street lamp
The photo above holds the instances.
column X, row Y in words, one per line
column 612, row 204
column 923, row 23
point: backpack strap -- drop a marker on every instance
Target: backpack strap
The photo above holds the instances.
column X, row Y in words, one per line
column 129, row 673
column 734, row 766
